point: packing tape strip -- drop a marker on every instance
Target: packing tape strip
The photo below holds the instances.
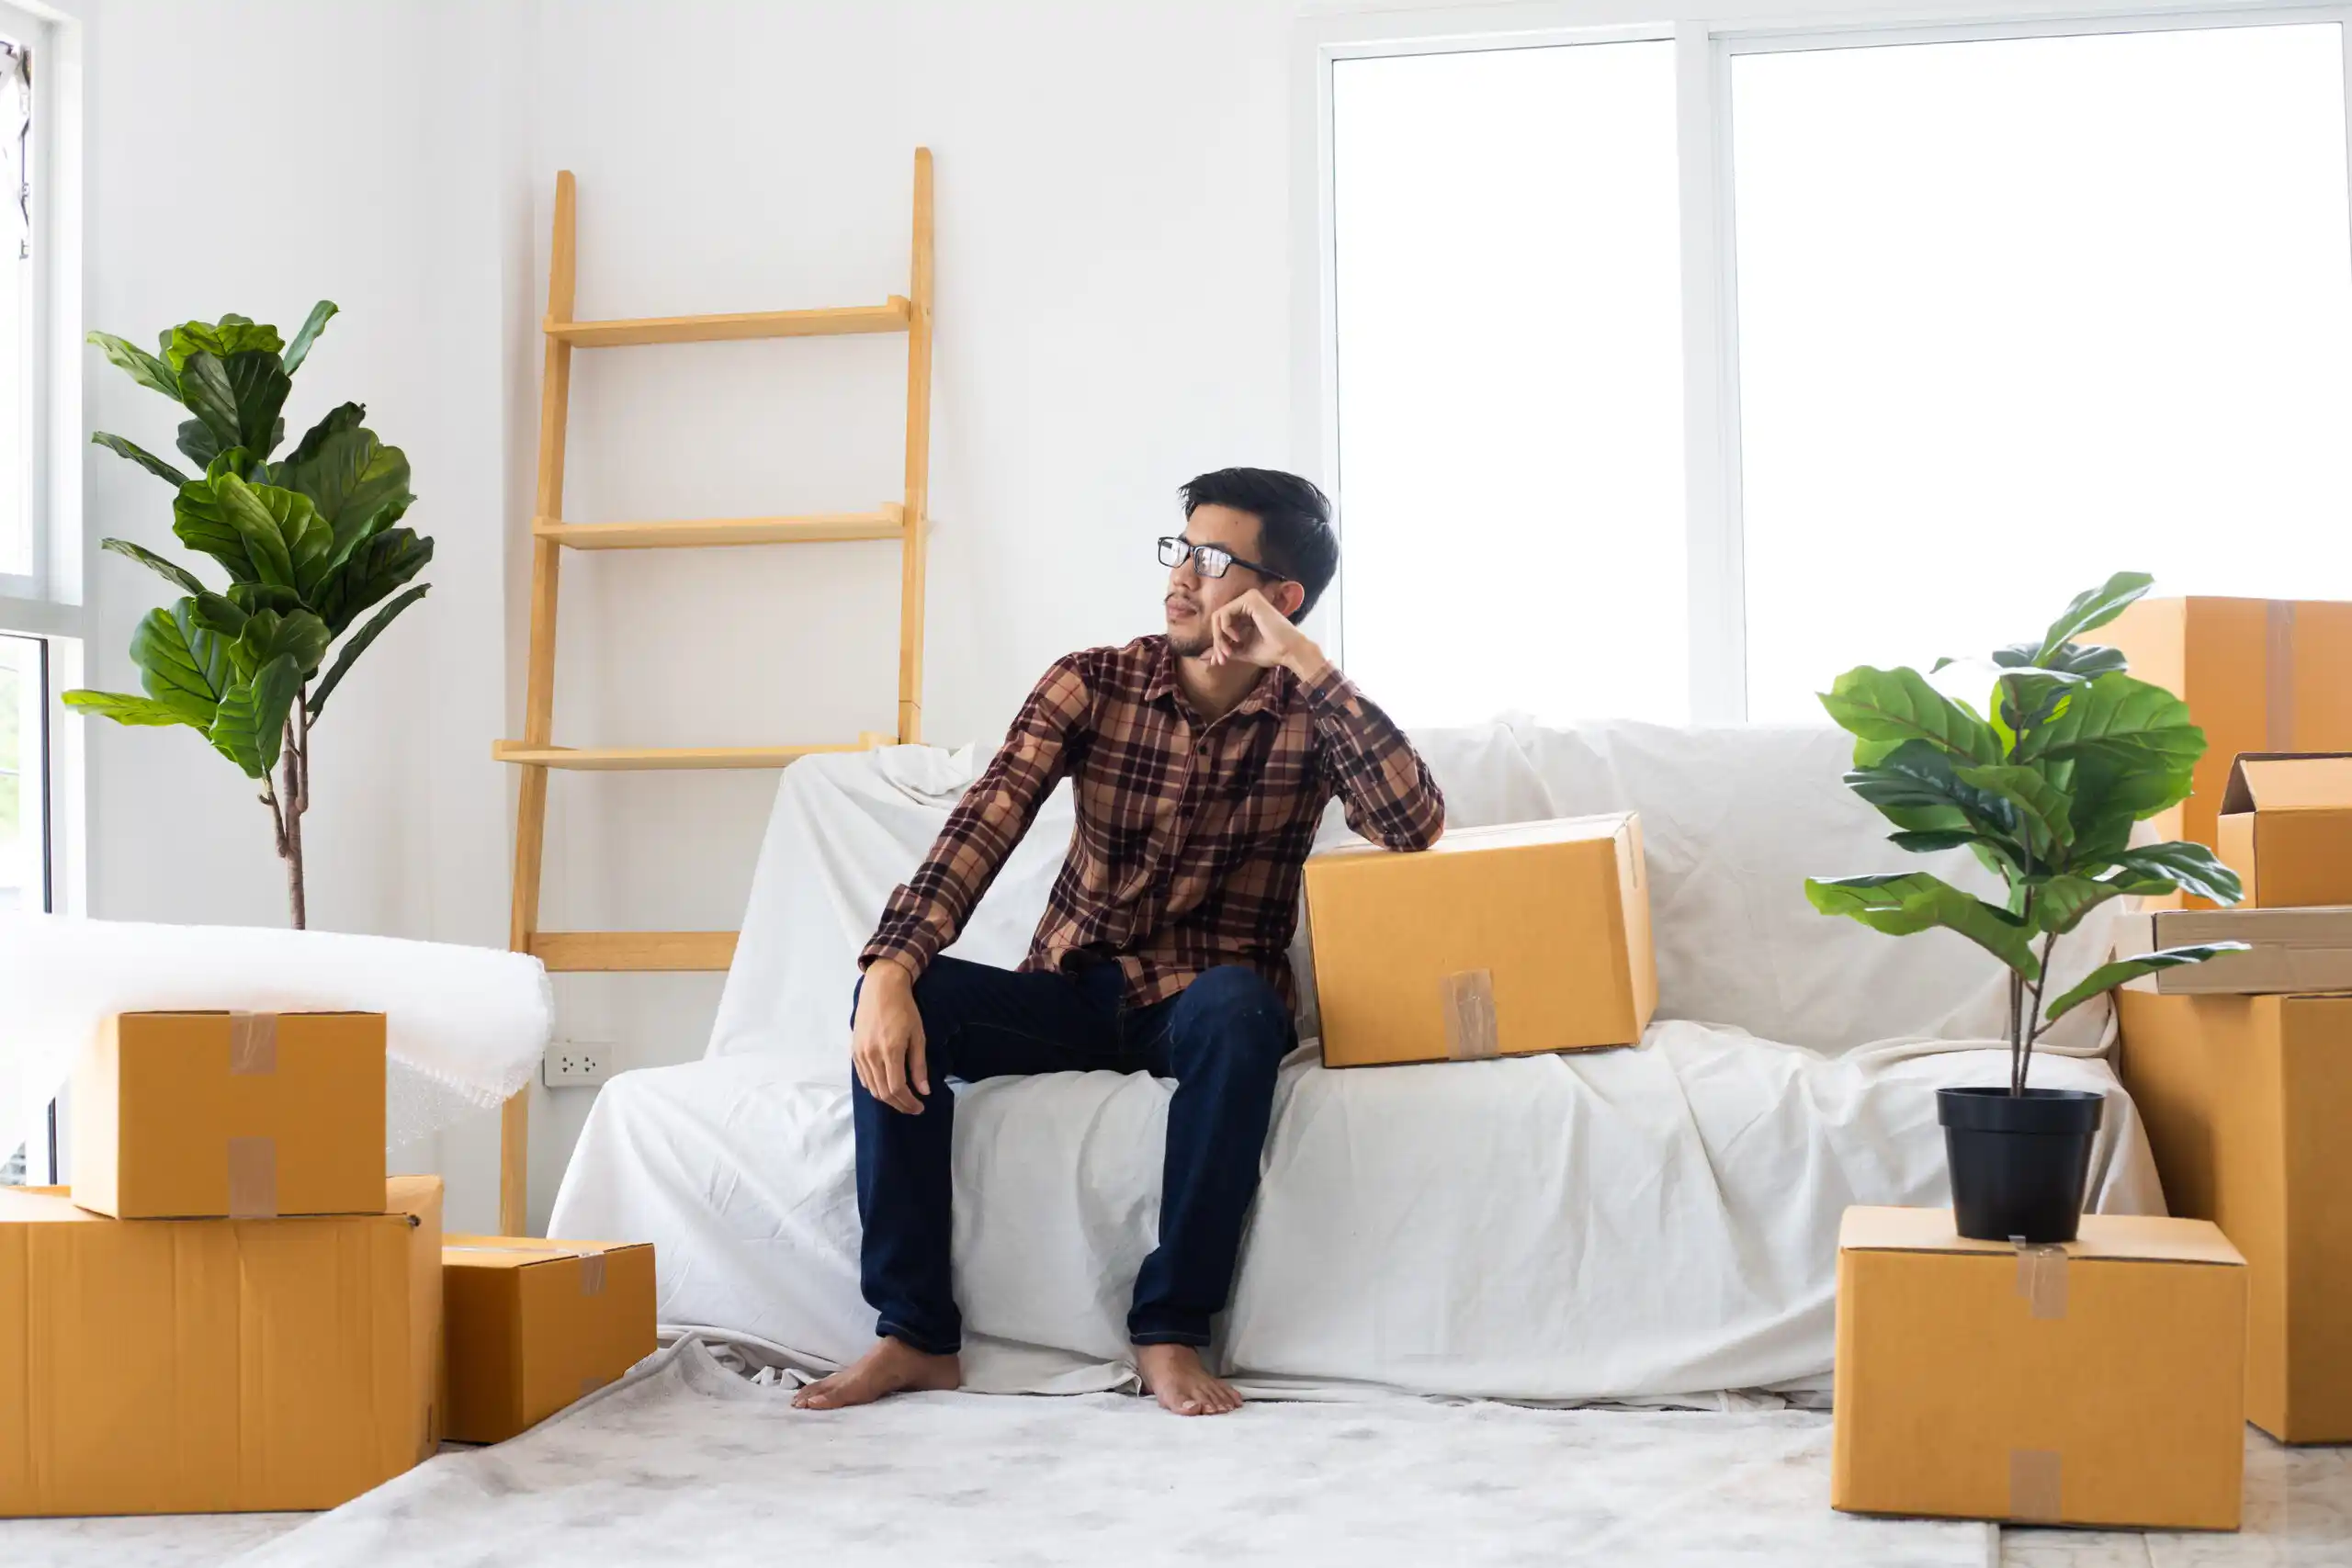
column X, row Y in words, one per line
column 2042, row 1279
column 253, row 1179
column 252, row 1042
column 2278, row 679
column 1466, row 998
column 2036, row 1482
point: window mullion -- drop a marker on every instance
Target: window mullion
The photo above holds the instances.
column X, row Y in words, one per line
column 1711, row 445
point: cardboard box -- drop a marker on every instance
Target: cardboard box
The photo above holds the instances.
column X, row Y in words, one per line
column 2286, row 828
column 1501, row 940
column 2248, row 1105
column 536, row 1325
column 2257, row 674
column 214, row 1366
column 234, row 1115
column 2289, row 950
column 2100, row 1383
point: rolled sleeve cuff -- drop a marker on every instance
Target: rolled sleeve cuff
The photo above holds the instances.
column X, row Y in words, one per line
column 1333, row 694
column 910, row 953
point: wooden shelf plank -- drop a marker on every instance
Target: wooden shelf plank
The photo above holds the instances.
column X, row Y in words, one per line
column 633, row 952
column 889, row 317
column 696, row 532
column 644, row 759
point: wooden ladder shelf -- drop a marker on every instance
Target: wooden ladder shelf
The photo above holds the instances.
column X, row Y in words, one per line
column 535, row 753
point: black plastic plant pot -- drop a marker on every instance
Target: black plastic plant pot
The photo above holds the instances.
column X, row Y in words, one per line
column 2019, row 1163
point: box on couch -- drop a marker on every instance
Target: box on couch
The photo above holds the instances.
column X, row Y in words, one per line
column 215, row 1365
column 2100, row 1383
column 230, row 1115
column 536, row 1325
column 1503, row 940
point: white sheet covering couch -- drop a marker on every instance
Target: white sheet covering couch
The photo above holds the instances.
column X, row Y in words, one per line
column 1639, row 1224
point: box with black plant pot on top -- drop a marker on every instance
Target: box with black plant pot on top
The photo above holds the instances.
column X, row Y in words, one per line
column 2044, row 786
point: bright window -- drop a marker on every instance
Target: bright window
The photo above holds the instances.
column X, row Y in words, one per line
column 16, row 321
column 24, row 839
column 1510, row 382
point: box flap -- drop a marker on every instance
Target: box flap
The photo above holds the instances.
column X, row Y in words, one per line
column 1505, row 836
column 519, row 1251
column 43, row 1205
column 2288, row 781
column 2144, row 1238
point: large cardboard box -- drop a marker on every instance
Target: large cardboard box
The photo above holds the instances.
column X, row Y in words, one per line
column 1499, row 941
column 2100, row 1383
column 236, row 1116
column 215, row 1365
column 2248, row 1105
column 2287, row 950
column 2286, row 828
column 2257, row 674
column 536, row 1325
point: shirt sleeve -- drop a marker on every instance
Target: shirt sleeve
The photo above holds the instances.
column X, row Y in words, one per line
column 928, row 910
column 1384, row 786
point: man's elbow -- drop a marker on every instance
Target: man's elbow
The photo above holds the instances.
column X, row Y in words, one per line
column 1416, row 830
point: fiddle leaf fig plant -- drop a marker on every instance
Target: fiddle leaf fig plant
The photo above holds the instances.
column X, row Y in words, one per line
column 2043, row 785
column 309, row 544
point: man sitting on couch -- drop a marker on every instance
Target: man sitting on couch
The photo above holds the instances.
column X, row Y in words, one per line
column 1202, row 760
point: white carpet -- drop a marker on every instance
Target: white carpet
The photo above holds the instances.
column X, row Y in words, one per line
column 684, row 1463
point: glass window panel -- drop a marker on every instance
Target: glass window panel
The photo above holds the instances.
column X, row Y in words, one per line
column 2017, row 314
column 1510, row 382
column 16, row 311
column 23, row 837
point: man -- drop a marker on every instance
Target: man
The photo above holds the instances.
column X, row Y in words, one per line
column 1202, row 760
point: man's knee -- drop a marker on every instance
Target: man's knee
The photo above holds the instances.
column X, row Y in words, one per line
column 1235, row 1007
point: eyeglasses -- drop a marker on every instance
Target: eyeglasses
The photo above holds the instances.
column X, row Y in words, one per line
column 1209, row 560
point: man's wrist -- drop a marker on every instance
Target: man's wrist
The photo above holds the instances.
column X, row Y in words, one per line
column 1306, row 661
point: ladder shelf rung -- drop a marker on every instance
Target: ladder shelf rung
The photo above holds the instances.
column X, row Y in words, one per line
column 633, row 952
column 641, row 758
column 694, row 533
column 892, row 316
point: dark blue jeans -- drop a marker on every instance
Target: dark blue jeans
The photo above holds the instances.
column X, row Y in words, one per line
column 1221, row 1039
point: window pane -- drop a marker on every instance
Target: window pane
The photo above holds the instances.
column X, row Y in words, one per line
column 23, row 838
column 1510, row 382
column 2014, row 315
column 15, row 312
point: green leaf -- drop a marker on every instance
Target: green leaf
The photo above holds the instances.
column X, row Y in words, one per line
column 216, row 612
column 350, row 651
column 230, row 335
column 250, row 728
column 1915, row 787
column 267, row 636
column 139, row 455
column 126, row 710
column 197, row 443
column 144, row 368
column 376, row 567
column 2132, row 743
column 181, row 665
column 254, row 597
column 2192, row 868
column 2067, row 658
column 307, row 335
column 237, row 399
column 2107, row 976
column 1882, row 708
column 2091, row 609
column 2041, row 808
column 1915, row 901
column 2061, row 902
column 358, row 485
column 170, row 570
column 284, row 536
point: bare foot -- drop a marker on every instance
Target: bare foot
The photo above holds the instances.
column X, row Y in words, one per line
column 1174, row 1374
column 893, row 1366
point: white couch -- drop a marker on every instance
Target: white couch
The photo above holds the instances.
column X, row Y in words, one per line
column 1644, row 1223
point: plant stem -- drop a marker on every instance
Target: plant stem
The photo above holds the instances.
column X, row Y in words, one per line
column 295, row 758
column 2025, row 1056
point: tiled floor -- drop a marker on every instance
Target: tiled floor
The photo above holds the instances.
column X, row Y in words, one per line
column 2297, row 1514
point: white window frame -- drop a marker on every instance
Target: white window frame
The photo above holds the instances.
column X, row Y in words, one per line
column 1707, row 35
column 49, row 602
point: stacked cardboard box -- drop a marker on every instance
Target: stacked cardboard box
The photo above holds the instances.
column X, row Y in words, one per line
column 1501, row 940
column 535, row 1326
column 2100, row 1383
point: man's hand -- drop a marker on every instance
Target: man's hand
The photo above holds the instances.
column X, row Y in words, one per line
column 885, row 1040
column 1252, row 631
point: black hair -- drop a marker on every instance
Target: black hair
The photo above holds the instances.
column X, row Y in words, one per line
column 1295, row 533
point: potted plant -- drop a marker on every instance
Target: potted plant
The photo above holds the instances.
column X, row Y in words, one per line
column 2044, row 786
column 311, row 543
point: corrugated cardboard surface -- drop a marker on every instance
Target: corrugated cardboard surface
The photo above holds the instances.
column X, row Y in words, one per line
column 1499, row 941
column 535, row 1325
column 2286, row 828
column 2257, row 674
column 2248, row 1105
column 214, row 1366
column 2099, row 1383
column 171, row 1120
column 2290, row 950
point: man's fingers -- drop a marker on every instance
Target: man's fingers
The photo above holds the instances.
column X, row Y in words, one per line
column 919, row 1063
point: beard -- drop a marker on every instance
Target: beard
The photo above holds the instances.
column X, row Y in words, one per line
column 1188, row 645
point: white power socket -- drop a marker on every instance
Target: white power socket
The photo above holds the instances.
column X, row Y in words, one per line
column 575, row 1064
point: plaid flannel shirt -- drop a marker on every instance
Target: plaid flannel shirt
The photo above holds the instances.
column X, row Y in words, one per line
column 1190, row 837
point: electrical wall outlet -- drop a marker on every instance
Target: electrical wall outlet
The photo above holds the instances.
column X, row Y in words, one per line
column 575, row 1064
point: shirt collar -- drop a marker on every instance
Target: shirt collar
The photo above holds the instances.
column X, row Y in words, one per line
column 1270, row 694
